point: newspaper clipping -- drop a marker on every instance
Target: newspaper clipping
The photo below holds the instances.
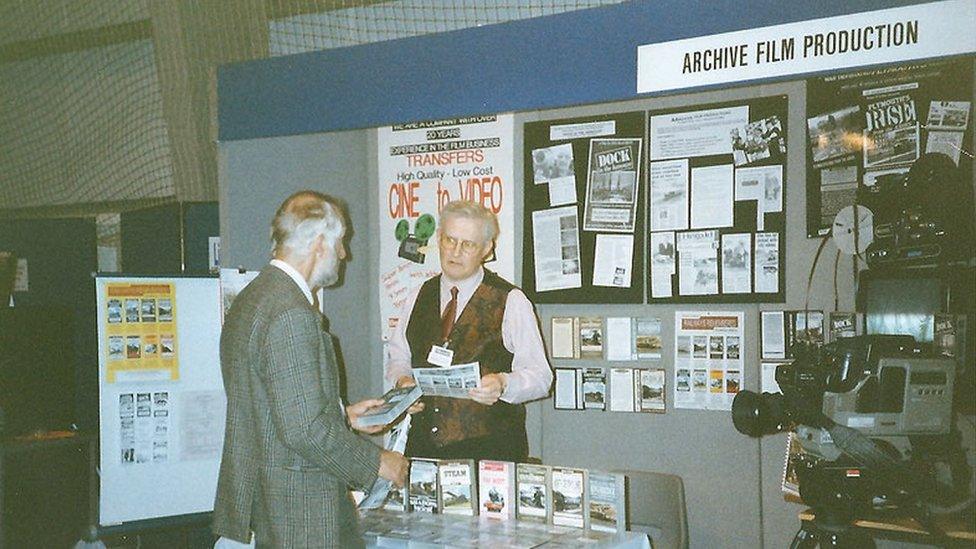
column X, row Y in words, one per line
column 669, row 195
column 698, row 263
column 662, row 264
column 555, row 245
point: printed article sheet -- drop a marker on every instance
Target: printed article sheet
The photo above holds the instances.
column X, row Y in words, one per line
column 891, row 135
column 554, row 166
column 652, row 390
column 619, row 338
column 201, row 424
column 145, row 428
column 698, row 263
column 567, row 387
column 622, row 390
column 614, row 260
column 696, row 133
column 647, row 338
column 708, row 363
column 669, row 195
column 591, row 337
column 833, row 135
column 767, row 262
column 662, row 264
column 948, row 115
column 712, row 196
column 947, row 143
column 594, row 388
column 838, row 188
column 564, row 337
column 764, row 184
column 612, row 185
column 758, row 140
column 556, row 248
column 737, row 263
column 773, row 334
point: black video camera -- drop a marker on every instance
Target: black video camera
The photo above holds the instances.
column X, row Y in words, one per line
column 881, row 385
column 873, row 417
column 922, row 217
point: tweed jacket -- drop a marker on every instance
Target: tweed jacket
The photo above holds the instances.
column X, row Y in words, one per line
column 289, row 457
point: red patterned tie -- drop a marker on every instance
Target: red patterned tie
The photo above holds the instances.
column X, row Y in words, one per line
column 447, row 319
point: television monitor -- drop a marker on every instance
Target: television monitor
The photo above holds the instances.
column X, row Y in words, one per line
column 905, row 301
column 37, row 370
column 903, row 306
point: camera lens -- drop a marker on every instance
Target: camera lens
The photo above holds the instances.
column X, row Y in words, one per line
column 757, row 414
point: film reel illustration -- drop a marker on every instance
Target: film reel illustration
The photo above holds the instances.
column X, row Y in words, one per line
column 411, row 245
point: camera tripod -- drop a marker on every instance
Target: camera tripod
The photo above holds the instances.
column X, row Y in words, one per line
column 833, row 529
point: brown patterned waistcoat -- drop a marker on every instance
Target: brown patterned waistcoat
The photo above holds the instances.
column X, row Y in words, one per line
column 476, row 337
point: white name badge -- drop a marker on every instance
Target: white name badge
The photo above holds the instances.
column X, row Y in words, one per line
column 440, row 356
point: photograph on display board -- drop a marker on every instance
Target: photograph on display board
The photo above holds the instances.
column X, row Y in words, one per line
column 867, row 128
column 584, row 209
column 716, row 181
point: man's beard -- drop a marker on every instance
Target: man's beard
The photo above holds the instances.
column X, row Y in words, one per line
column 326, row 272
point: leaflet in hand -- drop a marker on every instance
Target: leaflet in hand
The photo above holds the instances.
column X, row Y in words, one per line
column 395, row 402
column 449, row 381
column 396, row 442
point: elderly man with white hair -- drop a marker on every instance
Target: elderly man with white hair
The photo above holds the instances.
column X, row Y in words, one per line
column 290, row 451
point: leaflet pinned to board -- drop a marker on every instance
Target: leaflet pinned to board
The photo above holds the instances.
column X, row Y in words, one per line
column 141, row 332
column 708, row 362
column 611, row 187
column 662, row 264
column 669, row 195
column 767, row 263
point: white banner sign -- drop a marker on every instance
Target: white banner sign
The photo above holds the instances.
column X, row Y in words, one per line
column 922, row 31
column 422, row 167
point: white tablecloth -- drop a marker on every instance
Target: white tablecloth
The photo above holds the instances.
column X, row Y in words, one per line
column 389, row 529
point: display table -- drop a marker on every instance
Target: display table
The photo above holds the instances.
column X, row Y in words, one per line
column 907, row 529
column 382, row 528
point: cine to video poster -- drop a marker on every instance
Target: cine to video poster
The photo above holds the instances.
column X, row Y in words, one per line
column 422, row 167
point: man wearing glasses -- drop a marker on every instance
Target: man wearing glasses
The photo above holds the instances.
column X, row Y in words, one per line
column 471, row 315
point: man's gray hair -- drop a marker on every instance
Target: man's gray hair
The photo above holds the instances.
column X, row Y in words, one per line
column 301, row 218
column 472, row 210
